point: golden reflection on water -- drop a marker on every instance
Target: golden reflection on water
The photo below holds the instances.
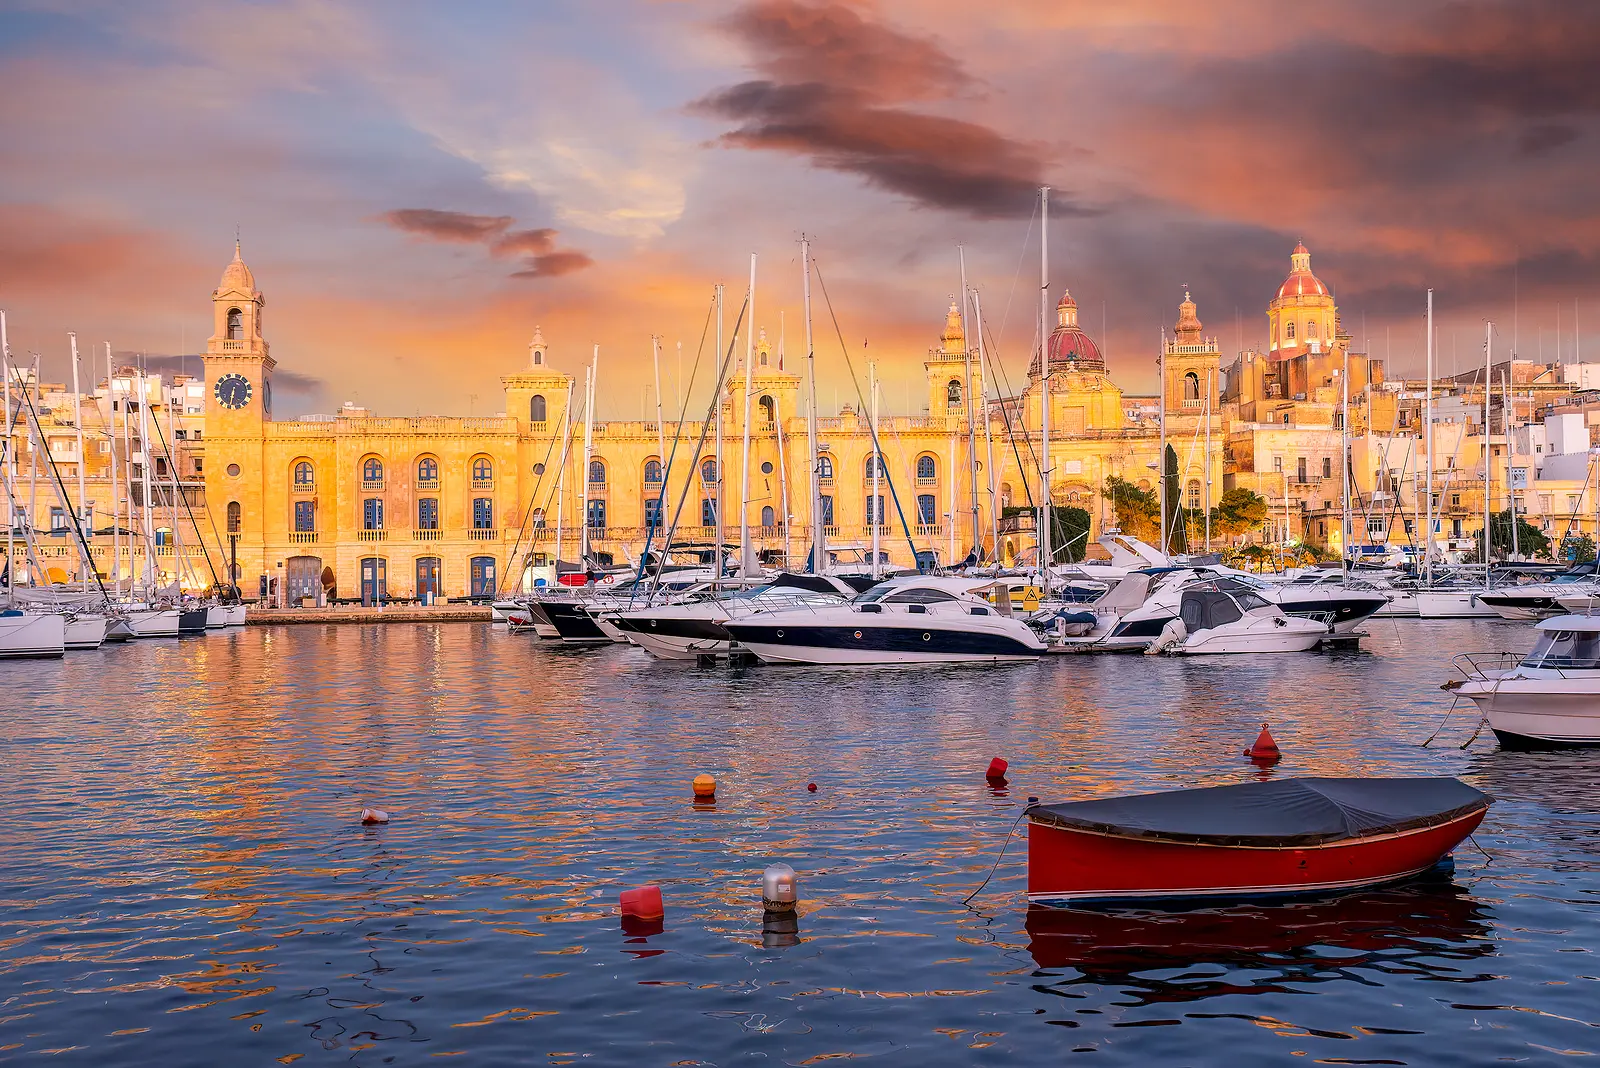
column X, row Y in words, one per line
column 189, row 840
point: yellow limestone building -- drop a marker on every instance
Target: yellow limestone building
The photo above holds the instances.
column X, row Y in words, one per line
column 359, row 505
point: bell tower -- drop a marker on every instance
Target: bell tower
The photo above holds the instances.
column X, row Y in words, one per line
column 950, row 390
column 1192, row 362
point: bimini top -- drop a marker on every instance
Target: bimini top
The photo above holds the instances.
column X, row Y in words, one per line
column 1586, row 624
column 1279, row 812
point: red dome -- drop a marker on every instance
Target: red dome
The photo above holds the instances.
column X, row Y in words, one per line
column 1301, row 282
column 1070, row 348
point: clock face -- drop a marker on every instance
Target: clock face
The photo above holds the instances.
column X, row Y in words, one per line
column 233, row 391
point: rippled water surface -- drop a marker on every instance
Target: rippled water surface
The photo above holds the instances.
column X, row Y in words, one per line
column 187, row 882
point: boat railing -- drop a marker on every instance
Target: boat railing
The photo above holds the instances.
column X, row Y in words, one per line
column 1485, row 666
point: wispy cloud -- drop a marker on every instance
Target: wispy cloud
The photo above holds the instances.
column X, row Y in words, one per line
column 541, row 257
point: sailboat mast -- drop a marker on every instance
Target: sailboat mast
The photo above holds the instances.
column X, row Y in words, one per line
column 1045, row 513
column 10, row 469
column 116, row 520
column 716, row 489
column 818, row 532
column 1344, row 460
column 561, row 475
column 588, row 452
column 1427, row 431
column 77, row 422
column 1511, row 480
column 1488, row 447
column 875, row 505
column 972, row 422
column 746, row 556
column 661, row 426
column 180, row 560
column 988, row 436
column 783, row 474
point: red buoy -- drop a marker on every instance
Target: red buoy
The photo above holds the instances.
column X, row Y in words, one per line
column 811, row 787
column 642, row 903
column 1265, row 751
column 997, row 769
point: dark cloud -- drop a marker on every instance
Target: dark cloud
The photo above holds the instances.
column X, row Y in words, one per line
column 193, row 364
column 448, row 225
column 553, row 264
column 542, row 257
column 835, row 92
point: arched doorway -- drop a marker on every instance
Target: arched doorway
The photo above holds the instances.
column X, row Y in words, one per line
column 303, row 576
column 374, row 586
column 427, row 578
column 482, row 572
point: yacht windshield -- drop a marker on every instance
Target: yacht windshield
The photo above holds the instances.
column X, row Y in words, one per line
column 1566, row 649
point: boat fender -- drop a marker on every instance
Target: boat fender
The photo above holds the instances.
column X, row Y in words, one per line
column 374, row 815
column 1171, row 635
column 1265, row 751
column 642, row 911
column 779, row 888
column 705, row 788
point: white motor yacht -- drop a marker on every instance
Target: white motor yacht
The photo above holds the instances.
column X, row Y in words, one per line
column 918, row 619
column 1454, row 602
column 1539, row 600
column 694, row 628
column 1216, row 619
column 32, row 634
column 1551, row 698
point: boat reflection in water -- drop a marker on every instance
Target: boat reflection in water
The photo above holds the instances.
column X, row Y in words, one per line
column 1419, row 928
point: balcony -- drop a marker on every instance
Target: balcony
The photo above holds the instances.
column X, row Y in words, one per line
column 371, row 485
column 303, row 487
column 928, row 530
column 483, row 534
column 483, row 483
column 427, row 483
column 1193, row 404
column 928, row 481
column 539, row 427
column 302, row 537
column 426, row 535
column 372, row 535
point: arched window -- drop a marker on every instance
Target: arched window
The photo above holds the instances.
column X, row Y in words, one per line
column 769, row 409
column 538, row 519
column 597, row 473
column 1288, row 331
column 1191, row 386
column 482, row 473
column 234, row 521
column 304, row 474
column 536, row 408
column 768, row 516
column 1194, row 493
column 927, row 468
column 428, row 472
column 708, row 470
column 825, row 468
column 1311, row 328
column 652, row 471
column 952, row 393
column 235, row 324
column 1005, row 495
column 876, row 462
column 372, row 470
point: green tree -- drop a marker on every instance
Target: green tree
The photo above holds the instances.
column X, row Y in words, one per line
column 1238, row 512
column 1577, row 549
column 1069, row 530
column 1177, row 540
column 1531, row 541
column 1137, row 511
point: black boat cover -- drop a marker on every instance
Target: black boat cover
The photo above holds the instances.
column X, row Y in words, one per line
column 1278, row 812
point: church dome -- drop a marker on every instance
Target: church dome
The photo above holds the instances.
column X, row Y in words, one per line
column 236, row 275
column 1301, row 282
column 1070, row 348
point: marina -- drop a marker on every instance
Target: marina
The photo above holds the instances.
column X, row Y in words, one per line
column 189, row 870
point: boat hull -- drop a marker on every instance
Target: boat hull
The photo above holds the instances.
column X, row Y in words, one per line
column 676, row 637
column 1539, row 713
column 1070, row 865
column 1464, row 604
column 797, row 643
column 236, row 615
column 33, row 635
column 1286, row 639
column 86, row 632
column 216, row 617
column 153, row 623
column 192, row 620
column 573, row 623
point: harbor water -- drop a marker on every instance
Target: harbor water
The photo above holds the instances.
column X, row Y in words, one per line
column 187, row 881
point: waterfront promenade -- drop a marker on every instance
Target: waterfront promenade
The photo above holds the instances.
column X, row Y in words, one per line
column 437, row 613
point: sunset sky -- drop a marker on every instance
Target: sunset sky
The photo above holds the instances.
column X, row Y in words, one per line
column 418, row 185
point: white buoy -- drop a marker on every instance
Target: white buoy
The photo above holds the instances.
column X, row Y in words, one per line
column 779, row 888
column 374, row 815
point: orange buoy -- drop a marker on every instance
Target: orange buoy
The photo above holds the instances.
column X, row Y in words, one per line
column 374, row 815
column 1265, row 751
column 997, row 770
column 705, row 787
column 811, row 787
column 642, row 903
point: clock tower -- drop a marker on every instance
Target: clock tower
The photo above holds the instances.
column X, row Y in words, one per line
column 238, row 404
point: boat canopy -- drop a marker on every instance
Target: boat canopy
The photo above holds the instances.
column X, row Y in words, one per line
column 1589, row 624
column 1279, row 812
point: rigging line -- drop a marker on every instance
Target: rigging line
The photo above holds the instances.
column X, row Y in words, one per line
column 699, row 448
column 1011, row 434
column 677, row 436
column 211, row 520
column 1015, row 275
column 61, row 489
column 533, row 496
column 877, row 446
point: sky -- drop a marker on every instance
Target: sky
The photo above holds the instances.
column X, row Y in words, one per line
column 416, row 186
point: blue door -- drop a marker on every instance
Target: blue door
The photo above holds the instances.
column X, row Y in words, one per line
column 428, row 513
column 597, row 515
column 373, row 586
column 652, row 512
column 427, row 578
column 372, row 513
column 708, row 513
column 925, row 509
column 305, row 516
column 482, row 574
column 482, row 513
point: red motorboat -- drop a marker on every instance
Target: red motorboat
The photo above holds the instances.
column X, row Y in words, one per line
column 1255, row 839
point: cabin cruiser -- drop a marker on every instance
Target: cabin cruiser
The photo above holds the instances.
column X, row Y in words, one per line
column 1538, row 600
column 1220, row 617
column 1551, row 698
column 912, row 619
column 693, row 627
